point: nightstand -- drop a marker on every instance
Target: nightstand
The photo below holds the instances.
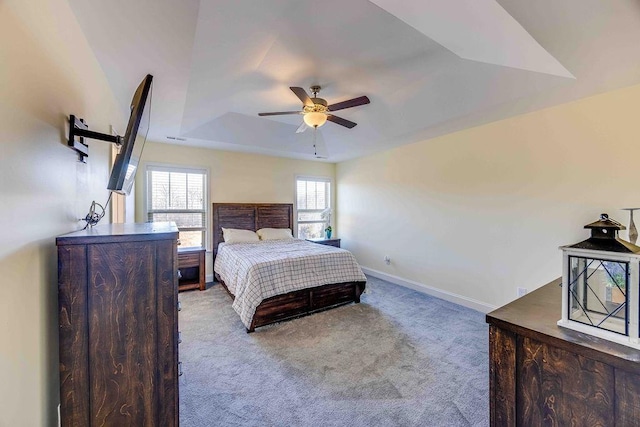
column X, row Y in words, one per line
column 191, row 267
column 328, row 242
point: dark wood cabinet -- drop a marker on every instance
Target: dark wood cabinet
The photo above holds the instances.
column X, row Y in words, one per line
column 118, row 325
column 328, row 242
column 542, row 374
column 192, row 271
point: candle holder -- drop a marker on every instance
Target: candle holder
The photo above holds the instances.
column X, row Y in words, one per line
column 600, row 285
column 633, row 231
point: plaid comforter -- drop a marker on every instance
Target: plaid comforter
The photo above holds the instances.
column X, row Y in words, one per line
column 257, row 271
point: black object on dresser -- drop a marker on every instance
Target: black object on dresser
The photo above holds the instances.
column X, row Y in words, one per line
column 542, row 374
column 328, row 242
column 118, row 325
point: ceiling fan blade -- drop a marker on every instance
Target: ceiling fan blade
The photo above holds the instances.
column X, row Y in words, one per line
column 362, row 100
column 302, row 128
column 302, row 94
column 340, row 121
column 280, row 113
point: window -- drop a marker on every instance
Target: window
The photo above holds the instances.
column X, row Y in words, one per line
column 179, row 195
column 313, row 197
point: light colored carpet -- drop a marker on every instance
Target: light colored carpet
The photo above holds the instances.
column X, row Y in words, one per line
column 399, row 358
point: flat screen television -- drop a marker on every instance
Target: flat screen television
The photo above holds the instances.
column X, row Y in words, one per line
column 126, row 164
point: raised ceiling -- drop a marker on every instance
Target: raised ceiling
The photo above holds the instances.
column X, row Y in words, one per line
column 429, row 66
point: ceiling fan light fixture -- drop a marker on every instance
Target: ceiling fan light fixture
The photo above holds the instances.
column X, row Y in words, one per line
column 316, row 111
column 315, row 119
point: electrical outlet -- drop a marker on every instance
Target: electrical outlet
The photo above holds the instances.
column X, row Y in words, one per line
column 387, row 259
column 522, row 292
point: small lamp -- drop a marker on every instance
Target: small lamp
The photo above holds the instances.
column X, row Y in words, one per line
column 600, row 285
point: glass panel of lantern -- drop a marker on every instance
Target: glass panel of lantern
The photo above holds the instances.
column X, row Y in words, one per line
column 597, row 293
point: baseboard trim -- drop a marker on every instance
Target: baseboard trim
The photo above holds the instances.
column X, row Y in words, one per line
column 438, row 293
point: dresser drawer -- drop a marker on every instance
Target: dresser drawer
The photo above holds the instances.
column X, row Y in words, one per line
column 188, row 259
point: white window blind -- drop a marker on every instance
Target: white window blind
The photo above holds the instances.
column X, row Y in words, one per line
column 179, row 195
column 313, row 196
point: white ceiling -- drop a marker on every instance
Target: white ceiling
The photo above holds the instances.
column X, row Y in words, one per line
column 429, row 66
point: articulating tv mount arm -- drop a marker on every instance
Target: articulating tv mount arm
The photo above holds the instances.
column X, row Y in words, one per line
column 78, row 128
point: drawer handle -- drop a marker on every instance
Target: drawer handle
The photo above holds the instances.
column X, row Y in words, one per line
column 180, row 369
column 179, row 306
column 179, row 274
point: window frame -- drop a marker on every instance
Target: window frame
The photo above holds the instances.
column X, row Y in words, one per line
column 167, row 167
column 316, row 178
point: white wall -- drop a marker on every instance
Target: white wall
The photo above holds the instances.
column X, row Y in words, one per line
column 481, row 212
column 47, row 73
column 233, row 177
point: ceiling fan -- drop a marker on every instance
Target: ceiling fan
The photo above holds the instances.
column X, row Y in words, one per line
column 316, row 111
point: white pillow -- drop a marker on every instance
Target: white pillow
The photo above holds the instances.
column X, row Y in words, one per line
column 275, row 233
column 235, row 235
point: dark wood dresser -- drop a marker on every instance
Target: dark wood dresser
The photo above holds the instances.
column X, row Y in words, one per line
column 545, row 375
column 118, row 325
column 328, row 242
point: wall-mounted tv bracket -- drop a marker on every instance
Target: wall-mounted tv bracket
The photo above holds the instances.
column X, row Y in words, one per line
column 78, row 128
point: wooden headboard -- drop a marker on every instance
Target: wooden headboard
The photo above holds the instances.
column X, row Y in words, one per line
column 249, row 216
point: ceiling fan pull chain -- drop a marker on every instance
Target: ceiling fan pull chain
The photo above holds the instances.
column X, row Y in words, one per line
column 315, row 151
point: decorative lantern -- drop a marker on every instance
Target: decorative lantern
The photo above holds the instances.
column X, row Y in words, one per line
column 600, row 285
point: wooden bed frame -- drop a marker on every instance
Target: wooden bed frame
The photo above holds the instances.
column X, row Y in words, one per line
column 253, row 216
